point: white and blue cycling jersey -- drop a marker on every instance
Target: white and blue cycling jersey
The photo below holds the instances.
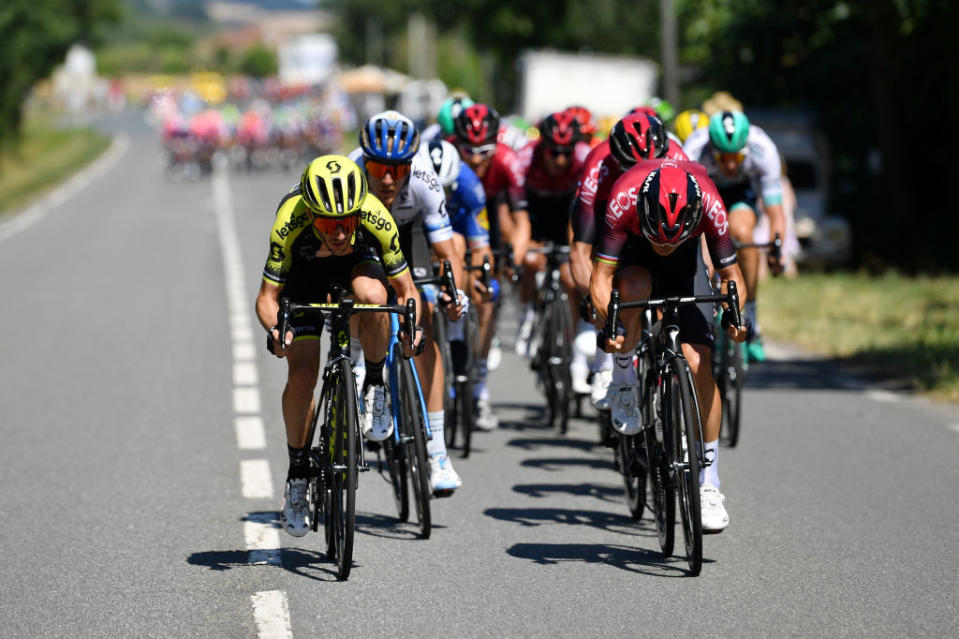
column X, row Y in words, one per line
column 760, row 170
column 466, row 204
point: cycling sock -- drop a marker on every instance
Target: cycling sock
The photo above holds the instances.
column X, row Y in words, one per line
column 437, row 444
column 623, row 370
column 299, row 462
column 710, row 474
column 603, row 361
column 374, row 373
column 454, row 330
column 480, row 391
column 585, row 340
column 528, row 313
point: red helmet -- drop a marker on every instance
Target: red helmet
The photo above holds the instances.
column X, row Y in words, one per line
column 477, row 125
column 587, row 123
column 560, row 129
column 648, row 110
column 636, row 138
column 670, row 205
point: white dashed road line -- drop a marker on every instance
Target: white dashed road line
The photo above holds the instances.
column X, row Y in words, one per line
column 260, row 530
column 883, row 396
column 272, row 614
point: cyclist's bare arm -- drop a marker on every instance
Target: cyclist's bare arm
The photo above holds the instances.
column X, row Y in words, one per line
column 446, row 250
column 402, row 283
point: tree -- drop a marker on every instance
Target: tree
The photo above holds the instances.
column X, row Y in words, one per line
column 36, row 35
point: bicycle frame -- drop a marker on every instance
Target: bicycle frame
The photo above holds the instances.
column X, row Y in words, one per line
column 393, row 368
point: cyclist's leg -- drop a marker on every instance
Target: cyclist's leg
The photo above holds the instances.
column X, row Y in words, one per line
column 533, row 263
column 369, row 287
column 429, row 367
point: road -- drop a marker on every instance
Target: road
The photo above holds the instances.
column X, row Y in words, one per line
column 140, row 491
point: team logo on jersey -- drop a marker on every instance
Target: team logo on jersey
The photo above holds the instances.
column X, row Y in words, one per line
column 717, row 215
column 483, row 219
column 276, row 252
column 622, row 201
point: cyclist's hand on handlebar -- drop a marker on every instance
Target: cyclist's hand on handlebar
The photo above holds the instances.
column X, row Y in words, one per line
column 481, row 289
column 418, row 342
column 738, row 334
column 776, row 263
column 273, row 342
column 454, row 311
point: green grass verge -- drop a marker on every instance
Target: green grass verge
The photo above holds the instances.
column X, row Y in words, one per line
column 904, row 327
column 45, row 157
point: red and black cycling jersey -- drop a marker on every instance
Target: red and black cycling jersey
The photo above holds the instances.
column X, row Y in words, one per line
column 539, row 181
column 600, row 172
column 621, row 221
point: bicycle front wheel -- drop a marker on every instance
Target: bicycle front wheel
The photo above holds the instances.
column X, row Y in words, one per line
column 661, row 492
column 413, row 439
column 560, row 337
column 344, row 466
column 730, row 380
column 686, row 445
column 399, row 477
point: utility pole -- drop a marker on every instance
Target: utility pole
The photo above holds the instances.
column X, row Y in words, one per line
column 670, row 51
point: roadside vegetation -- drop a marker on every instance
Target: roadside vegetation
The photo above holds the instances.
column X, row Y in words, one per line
column 45, row 156
column 904, row 327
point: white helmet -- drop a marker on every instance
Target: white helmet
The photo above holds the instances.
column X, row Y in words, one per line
column 446, row 161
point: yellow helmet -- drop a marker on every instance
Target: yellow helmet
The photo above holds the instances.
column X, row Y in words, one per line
column 333, row 185
column 688, row 121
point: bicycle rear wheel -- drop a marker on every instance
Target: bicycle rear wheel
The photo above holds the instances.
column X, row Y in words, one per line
column 686, row 445
column 465, row 406
column 345, row 471
column 399, row 477
column 413, row 440
column 634, row 474
column 661, row 492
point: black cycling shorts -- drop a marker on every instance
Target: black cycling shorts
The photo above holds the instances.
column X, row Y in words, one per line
column 316, row 280
column 739, row 195
column 681, row 273
column 549, row 218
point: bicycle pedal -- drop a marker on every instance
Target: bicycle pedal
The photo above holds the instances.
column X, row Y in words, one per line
column 443, row 493
column 363, row 468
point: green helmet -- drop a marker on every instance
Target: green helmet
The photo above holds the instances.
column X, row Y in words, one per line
column 448, row 112
column 663, row 109
column 728, row 131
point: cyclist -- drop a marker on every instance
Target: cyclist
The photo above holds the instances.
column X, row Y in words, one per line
column 326, row 233
column 743, row 161
column 551, row 179
column 407, row 185
column 443, row 127
column 466, row 203
column 635, row 138
column 649, row 246
column 499, row 169
column 587, row 125
column 688, row 121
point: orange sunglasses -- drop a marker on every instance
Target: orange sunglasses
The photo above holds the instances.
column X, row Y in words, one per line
column 379, row 170
column 328, row 225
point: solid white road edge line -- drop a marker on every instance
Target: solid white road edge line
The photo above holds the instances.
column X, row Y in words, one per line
column 272, row 615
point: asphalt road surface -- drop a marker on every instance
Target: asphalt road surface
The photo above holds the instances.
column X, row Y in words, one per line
column 143, row 457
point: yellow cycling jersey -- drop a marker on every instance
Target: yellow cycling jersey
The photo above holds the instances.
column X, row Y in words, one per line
column 294, row 240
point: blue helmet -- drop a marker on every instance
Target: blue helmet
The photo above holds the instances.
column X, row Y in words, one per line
column 388, row 137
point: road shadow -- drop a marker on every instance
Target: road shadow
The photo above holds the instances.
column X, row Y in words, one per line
column 603, row 493
column 307, row 563
column 638, row 560
column 613, row 522
column 390, row 527
column 563, row 463
column 534, row 443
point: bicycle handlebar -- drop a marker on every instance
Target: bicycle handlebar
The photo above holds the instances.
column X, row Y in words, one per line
column 731, row 297
column 775, row 247
column 346, row 307
column 447, row 280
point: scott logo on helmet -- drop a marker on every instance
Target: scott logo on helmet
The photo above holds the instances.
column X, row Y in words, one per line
column 333, row 166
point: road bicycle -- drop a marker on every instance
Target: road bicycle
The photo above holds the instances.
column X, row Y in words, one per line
column 660, row 465
column 552, row 339
column 336, row 454
column 405, row 451
column 730, row 365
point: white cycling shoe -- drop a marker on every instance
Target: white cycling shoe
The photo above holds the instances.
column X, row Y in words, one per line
column 485, row 417
column 624, row 409
column 599, row 392
column 443, row 479
column 377, row 417
column 579, row 373
column 712, row 505
column 295, row 514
